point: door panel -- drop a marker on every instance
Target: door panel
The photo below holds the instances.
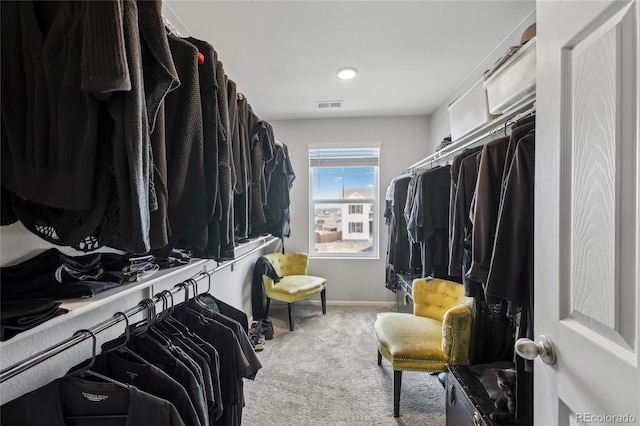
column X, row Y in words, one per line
column 587, row 211
column 597, row 109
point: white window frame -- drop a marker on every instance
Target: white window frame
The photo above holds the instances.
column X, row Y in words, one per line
column 375, row 201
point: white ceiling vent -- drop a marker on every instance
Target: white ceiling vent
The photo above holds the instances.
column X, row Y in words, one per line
column 329, row 104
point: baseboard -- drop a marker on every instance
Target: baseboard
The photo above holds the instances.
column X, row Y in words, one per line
column 358, row 303
column 343, row 303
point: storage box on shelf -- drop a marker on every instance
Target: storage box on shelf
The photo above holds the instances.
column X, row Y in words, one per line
column 469, row 111
column 514, row 82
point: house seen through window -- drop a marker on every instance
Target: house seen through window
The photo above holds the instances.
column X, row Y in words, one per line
column 344, row 201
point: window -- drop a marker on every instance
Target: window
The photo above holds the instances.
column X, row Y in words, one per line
column 344, row 190
column 355, row 227
column 355, row 208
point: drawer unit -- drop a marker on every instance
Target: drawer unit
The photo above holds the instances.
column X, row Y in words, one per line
column 404, row 300
column 467, row 400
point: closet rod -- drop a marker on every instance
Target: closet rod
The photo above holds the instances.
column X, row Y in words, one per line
column 62, row 346
column 267, row 242
column 522, row 109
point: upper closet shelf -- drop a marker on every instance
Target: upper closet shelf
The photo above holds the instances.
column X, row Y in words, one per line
column 494, row 127
column 500, row 96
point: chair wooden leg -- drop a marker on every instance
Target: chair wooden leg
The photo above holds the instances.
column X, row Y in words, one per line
column 379, row 358
column 290, row 316
column 323, row 297
column 266, row 314
column 397, row 383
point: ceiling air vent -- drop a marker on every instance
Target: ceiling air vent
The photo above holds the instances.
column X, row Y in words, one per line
column 329, row 104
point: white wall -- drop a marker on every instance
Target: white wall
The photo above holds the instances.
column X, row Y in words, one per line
column 403, row 141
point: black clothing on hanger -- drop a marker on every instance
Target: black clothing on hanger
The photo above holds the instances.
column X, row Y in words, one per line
column 53, row 403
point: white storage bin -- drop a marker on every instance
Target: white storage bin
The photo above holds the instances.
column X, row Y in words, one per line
column 469, row 111
column 514, row 83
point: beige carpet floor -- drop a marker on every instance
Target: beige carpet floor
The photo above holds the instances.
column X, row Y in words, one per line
column 325, row 374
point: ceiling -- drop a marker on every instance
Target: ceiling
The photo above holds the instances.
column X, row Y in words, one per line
column 411, row 55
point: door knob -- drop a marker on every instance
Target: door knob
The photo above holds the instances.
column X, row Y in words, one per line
column 528, row 349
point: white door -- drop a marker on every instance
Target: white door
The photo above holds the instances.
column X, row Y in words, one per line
column 587, row 210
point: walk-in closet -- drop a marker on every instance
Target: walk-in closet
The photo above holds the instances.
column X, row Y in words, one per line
column 320, row 212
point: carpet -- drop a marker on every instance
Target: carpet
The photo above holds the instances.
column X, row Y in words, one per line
column 325, row 373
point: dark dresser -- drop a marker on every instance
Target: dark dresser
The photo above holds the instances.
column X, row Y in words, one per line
column 404, row 299
column 467, row 400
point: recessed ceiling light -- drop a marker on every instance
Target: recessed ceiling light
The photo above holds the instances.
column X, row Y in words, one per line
column 347, row 73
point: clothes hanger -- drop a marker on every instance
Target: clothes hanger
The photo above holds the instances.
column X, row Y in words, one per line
column 185, row 307
column 164, row 324
column 153, row 332
column 207, row 291
column 179, row 334
column 123, row 348
column 196, row 293
column 87, row 369
column 171, row 323
column 174, row 322
column 143, row 326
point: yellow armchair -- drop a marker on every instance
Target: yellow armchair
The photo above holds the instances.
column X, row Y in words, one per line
column 436, row 334
column 295, row 283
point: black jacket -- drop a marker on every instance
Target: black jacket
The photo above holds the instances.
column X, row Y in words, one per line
column 258, row 296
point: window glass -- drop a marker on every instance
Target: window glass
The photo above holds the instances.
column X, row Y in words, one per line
column 344, row 193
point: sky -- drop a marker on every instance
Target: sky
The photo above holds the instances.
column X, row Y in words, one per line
column 328, row 182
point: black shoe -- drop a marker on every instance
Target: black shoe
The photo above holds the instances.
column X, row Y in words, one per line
column 255, row 332
column 267, row 329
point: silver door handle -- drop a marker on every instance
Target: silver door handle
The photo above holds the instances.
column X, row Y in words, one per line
column 528, row 349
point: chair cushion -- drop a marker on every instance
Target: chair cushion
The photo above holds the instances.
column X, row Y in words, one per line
column 292, row 284
column 295, row 287
column 410, row 342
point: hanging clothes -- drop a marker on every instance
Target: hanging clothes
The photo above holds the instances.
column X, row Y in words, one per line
column 226, row 251
column 187, row 190
column 59, row 185
column 127, row 368
column 68, row 398
column 233, row 364
column 225, row 162
column 47, row 97
column 210, row 119
column 159, row 113
column 464, row 174
column 485, row 208
column 243, row 172
column 492, row 333
column 280, row 179
column 429, row 221
column 133, row 167
column 398, row 241
column 487, row 200
column 511, row 273
column 262, row 150
column 155, row 353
